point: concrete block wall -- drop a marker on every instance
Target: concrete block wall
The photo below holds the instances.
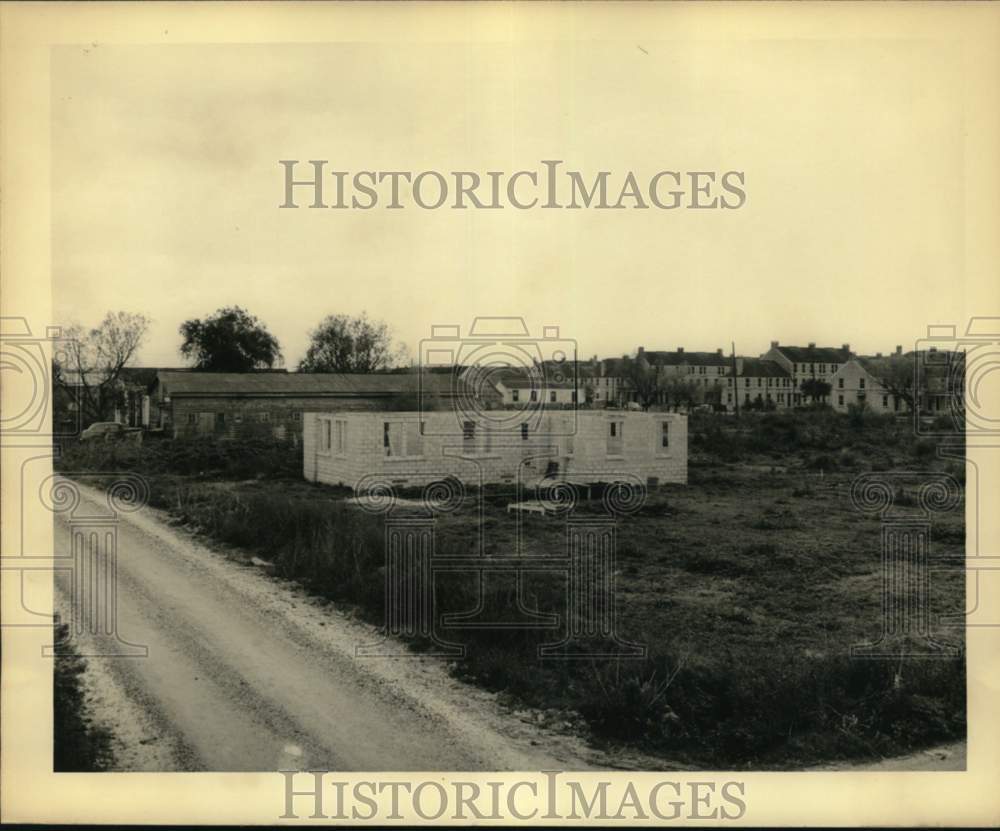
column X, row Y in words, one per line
column 576, row 442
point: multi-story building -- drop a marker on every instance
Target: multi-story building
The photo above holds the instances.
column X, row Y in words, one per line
column 758, row 383
column 603, row 382
column 703, row 373
column 805, row 363
column 932, row 380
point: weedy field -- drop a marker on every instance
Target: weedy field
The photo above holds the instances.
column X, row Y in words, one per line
column 748, row 586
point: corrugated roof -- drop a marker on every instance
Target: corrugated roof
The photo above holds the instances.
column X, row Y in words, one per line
column 815, row 354
column 301, row 384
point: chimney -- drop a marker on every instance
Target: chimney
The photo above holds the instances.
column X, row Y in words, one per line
column 812, row 344
column 718, row 351
column 846, row 347
column 899, row 350
column 680, row 350
column 878, row 354
column 774, row 344
column 641, row 350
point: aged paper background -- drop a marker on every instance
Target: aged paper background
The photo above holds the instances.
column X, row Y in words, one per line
column 951, row 59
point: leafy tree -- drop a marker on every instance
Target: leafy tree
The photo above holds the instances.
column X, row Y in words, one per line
column 89, row 367
column 341, row 343
column 231, row 340
column 815, row 390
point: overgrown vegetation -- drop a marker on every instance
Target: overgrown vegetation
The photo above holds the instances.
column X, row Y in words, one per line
column 821, row 439
column 202, row 458
column 748, row 586
column 79, row 746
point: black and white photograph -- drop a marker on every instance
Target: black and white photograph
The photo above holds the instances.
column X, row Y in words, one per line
column 503, row 412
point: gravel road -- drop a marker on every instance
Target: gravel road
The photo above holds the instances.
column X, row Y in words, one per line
column 247, row 673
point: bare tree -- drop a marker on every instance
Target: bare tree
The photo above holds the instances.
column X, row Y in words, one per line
column 643, row 379
column 681, row 391
column 898, row 374
column 90, row 366
column 815, row 390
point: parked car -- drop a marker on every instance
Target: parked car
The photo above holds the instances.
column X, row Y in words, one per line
column 110, row 431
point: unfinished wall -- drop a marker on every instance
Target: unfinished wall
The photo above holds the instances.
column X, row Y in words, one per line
column 582, row 446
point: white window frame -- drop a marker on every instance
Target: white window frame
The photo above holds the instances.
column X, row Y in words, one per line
column 325, row 438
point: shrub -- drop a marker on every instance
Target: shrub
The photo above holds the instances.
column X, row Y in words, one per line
column 226, row 458
column 629, row 703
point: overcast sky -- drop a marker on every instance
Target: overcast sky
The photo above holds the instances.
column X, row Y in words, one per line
column 167, row 186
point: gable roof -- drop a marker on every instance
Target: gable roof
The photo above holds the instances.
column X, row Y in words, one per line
column 681, row 358
column 762, row 368
column 815, row 354
column 554, row 376
column 303, row 384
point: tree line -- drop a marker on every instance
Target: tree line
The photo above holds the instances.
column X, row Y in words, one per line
column 91, row 361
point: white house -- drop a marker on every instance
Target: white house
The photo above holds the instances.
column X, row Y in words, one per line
column 526, row 392
column 853, row 384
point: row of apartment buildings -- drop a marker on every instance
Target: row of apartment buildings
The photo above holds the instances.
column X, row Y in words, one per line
column 778, row 378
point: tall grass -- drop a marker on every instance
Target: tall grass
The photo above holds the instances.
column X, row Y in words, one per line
column 206, row 458
column 711, row 709
column 820, row 438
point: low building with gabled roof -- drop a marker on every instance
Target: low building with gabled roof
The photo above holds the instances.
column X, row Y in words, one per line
column 230, row 404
